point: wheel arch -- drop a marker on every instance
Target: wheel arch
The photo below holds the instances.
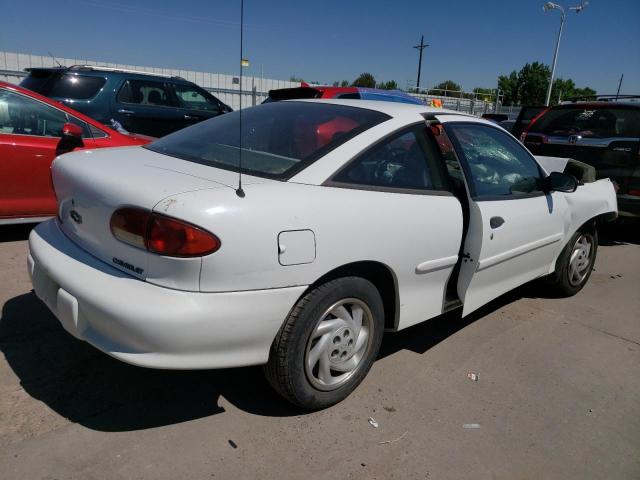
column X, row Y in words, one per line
column 591, row 224
column 382, row 277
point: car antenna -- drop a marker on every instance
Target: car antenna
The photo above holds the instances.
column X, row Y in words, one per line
column 240, row 191
column 55, row 59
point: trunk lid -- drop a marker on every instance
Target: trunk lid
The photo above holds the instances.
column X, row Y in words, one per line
column 91, row 184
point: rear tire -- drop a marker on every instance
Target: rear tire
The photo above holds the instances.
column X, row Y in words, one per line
column 575, row 263
column 328, row 343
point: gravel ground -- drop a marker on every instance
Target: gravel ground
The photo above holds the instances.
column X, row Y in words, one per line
column 557, row 396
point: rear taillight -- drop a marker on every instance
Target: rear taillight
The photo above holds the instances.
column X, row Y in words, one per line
column 161, row 234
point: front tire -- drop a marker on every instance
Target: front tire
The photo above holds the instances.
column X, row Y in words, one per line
column 328, row 343
column 575, row 263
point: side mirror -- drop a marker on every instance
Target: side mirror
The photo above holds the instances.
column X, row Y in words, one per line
column 71, row 138
column 71, row 130
column 560, row 182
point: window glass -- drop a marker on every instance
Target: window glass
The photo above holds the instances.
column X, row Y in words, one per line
column 194, row 98
column 144, row 92
column 78, row 87
column 497, row 164
column 278, row 138
column 21, row 115
column 38, row 80
column 405, row 160
column 589, row 122
column 349, row 95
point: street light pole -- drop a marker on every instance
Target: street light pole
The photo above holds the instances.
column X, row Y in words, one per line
column 555, row 57
column 554, row 6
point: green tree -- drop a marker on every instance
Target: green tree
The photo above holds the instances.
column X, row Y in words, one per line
column 485, row 94
column 293, row 78
column 364, row 80
column 529, row 86
column 344, row 83
column 390, row 85
column 451, row 87
column 508, row 86
column 533, row 80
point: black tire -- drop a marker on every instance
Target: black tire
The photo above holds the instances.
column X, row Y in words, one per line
column 286, row 369
column 561, row 282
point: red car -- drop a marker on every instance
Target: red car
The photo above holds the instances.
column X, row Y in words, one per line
column 33, row 131
column 346, row 93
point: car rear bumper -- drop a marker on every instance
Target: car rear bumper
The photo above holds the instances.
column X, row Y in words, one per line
column 148, row 325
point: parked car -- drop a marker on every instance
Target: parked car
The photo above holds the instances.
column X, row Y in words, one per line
column 353, row 220
column 507, row 125
column 352, row 93
column 146, row 103
column 33, row 131
column 525, row 116
column 495, row 117
column 604, row 134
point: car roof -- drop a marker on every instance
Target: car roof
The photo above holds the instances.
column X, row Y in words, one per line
column 116, row 71
column 395, row 109
column 597, row 104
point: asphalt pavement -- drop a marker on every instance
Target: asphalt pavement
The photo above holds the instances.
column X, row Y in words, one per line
column 556, row 394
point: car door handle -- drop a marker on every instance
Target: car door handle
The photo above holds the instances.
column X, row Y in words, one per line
column 496, row 222
column 191, row 117
column 126, row 112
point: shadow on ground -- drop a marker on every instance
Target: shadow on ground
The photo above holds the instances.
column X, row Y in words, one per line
column 101, row 393
column 620, row 232
column 14, row 233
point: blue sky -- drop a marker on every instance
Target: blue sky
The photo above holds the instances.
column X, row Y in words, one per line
column 471, row 41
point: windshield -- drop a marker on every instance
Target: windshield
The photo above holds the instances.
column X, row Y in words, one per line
column 278, row 139
column 594, row 122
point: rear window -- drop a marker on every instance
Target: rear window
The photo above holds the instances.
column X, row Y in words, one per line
column 589, row 122
column 38, row 79
column 68, row 85
column 78, row 87
column 278, row 139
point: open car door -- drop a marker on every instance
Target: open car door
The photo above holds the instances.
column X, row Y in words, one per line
column 515, row 230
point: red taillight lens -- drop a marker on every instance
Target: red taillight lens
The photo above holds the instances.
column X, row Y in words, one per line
column 129, row 225
column 168, row 236
column 160, row 234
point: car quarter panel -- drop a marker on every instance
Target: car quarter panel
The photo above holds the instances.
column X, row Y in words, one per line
column 416, row 236
column 586, row 203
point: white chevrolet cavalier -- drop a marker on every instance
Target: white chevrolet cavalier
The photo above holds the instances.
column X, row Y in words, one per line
column 355, row 218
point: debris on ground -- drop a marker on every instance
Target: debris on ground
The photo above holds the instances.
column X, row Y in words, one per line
column 389, row 409
column 373, row 423
column 471, row 425
column 395, row 439
column 473, row 376
column 233, row 444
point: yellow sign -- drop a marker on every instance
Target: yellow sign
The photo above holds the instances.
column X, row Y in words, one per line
column 244, row 62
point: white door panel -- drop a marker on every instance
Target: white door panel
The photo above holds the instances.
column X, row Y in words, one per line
column 519, row 250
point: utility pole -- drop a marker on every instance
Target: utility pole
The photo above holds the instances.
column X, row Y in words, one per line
column 420, row 47
column 619, row 85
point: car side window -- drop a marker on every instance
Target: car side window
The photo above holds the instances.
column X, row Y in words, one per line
column 194, row 98
column 144, row 92
column 404, row 161
column 21, row 115
column 496, row 164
